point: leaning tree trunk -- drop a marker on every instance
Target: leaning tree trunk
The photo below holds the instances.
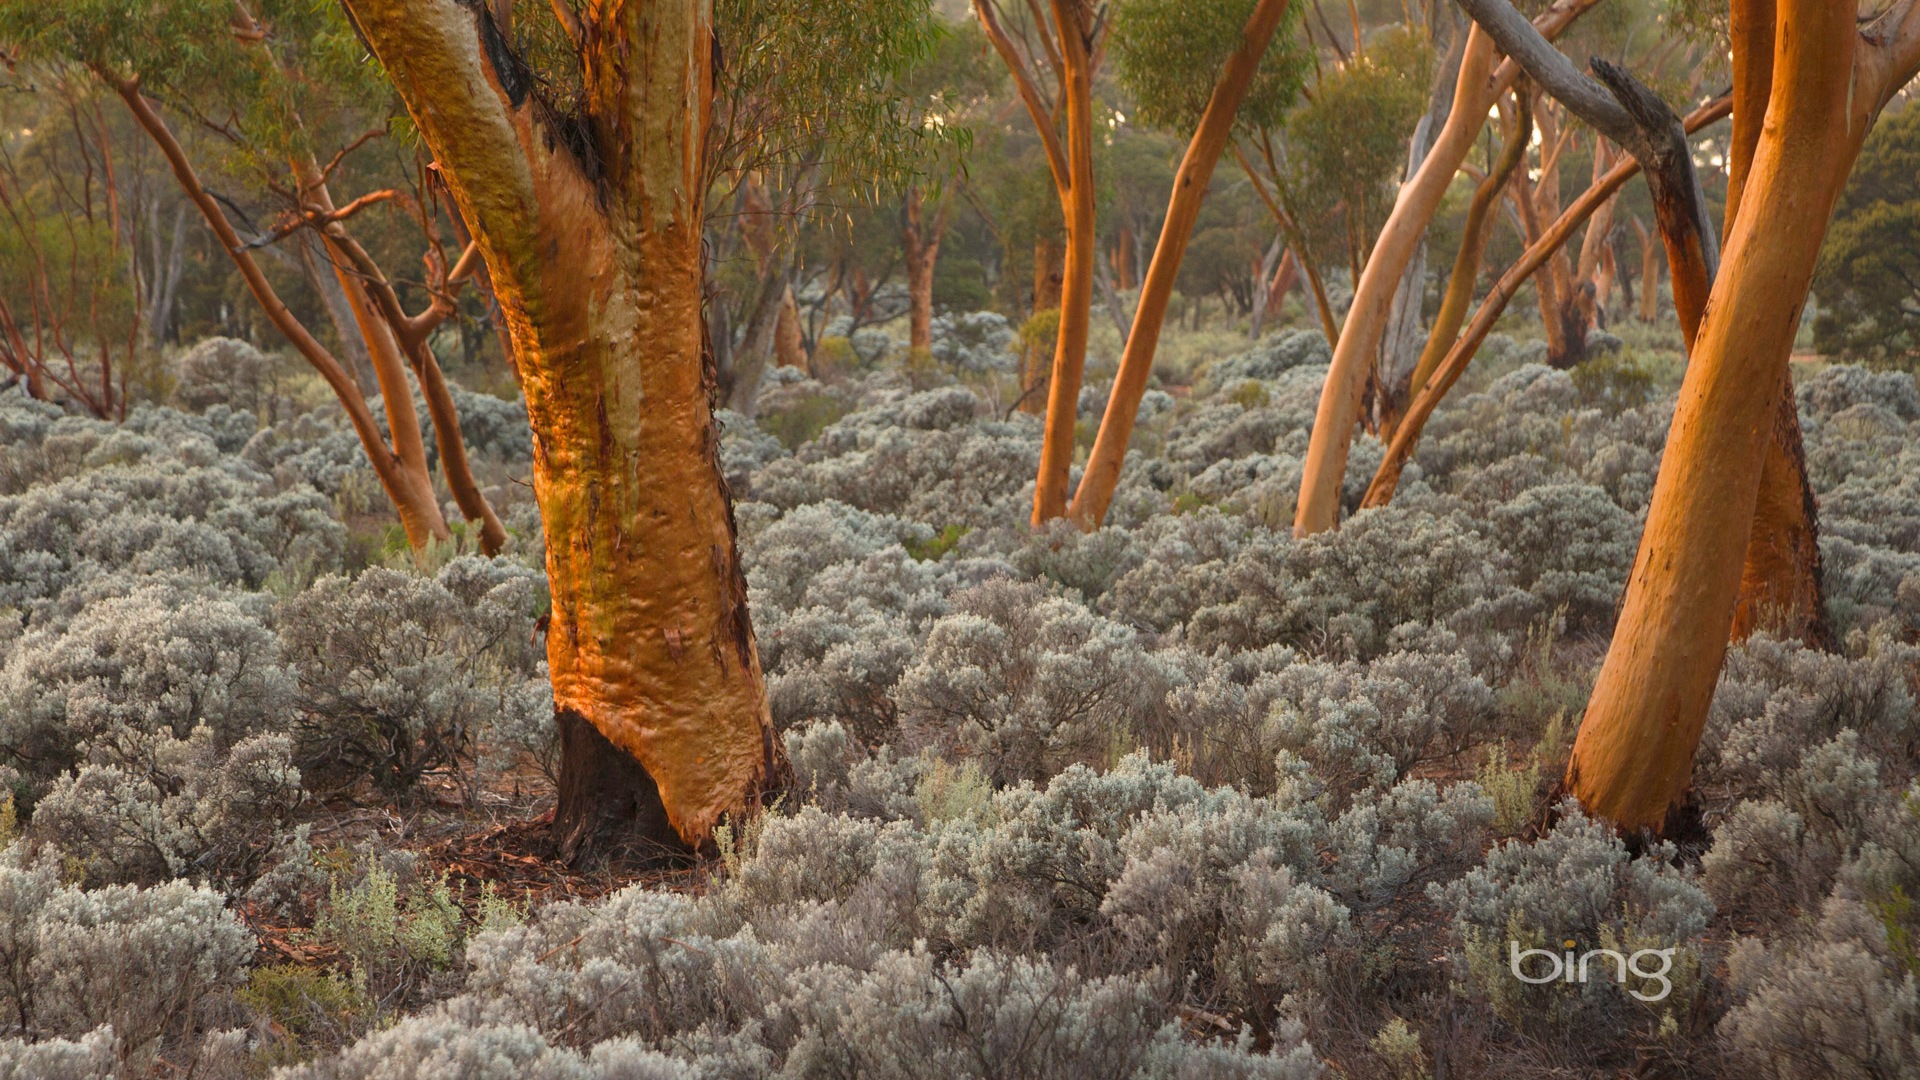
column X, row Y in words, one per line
column 1076, row 279
column 599, row 278
column 1474, row 235
column 1633, row 759
column 1780, row 586
column 1075, row 28
column 1190, row 185
column 1354, row 354
column 402, row 475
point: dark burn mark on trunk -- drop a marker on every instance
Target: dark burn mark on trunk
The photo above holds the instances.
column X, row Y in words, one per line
column 516, row 80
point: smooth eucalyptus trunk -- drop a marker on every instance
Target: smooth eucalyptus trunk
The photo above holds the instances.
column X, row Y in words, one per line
column 1633, row 759
column 1076, row 279
column 1190, row 186
column 1340, row 398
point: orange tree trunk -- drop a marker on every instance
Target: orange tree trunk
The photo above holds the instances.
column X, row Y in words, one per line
column 599, row 278
column 1048, row 257
column 1070, row 164
column 921, row 239
column 789, row 344
column 1649, row 274
column 1473, row 247
column 1340, row 397
column 1190, row 185
column 1633, row 759
column 1448, row 371
column 1076, row 280
column 1780, row 587
column 1476, row 91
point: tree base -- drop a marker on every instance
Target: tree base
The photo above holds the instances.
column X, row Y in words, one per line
column 608, row 810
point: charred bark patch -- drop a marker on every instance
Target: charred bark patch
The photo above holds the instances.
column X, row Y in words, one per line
column 608, row 810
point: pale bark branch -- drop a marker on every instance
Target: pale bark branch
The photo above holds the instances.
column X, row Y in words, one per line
column 1449, row 370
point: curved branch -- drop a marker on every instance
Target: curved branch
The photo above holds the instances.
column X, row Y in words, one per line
column 1029, row 94
column 1387, row 479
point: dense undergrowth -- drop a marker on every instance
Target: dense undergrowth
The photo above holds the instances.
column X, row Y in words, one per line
column 1179, row 797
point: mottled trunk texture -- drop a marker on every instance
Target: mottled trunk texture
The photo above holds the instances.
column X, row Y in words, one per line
column 595, row 257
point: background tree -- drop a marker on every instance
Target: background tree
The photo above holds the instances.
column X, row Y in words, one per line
column 255, row 79
column 1169, row 52
column 1480, row 84
column 1071, row 40
column 1869, row 277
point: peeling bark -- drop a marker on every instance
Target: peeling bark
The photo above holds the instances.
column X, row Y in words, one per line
column 594, row 252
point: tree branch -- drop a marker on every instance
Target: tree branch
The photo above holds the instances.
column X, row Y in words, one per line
column 1387, row 479
column 1029, row 94
column 1549, row 67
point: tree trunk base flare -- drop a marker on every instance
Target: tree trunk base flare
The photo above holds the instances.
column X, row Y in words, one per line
column 608, row 810
column 1685, row 826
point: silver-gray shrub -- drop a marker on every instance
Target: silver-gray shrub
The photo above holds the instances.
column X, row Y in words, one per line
column 191, row 810
column 1830, row 820
column 1777, row 699
column 1832, row 1001
column 90, row 1056
column 1577, row 883
column 976, row 342
column 157, row 964
column 924, row 457
column 1023, row 683
column 133, row 669
column 225, row 371
column 1571, row 546
column 221, row 524
column 398, row 674
column 1366, row 726
column 1346, row 592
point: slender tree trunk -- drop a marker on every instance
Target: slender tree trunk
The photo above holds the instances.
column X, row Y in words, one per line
column 789, row 344
column 921, row 240
column 1265, row 276
column 649, row 640
column 1633, row 759
column 1474, row 234
column 1297, row 247
column 1400, row 341
column 1076, row 285
column 411, row 492
column 1190, row 186
column 1285, row 279
column 170, row 264
column 1049, row 273
column 1649, row 274
column 1340, row 397
column 352, row 350
column 1400, row 449
column 390, row 371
